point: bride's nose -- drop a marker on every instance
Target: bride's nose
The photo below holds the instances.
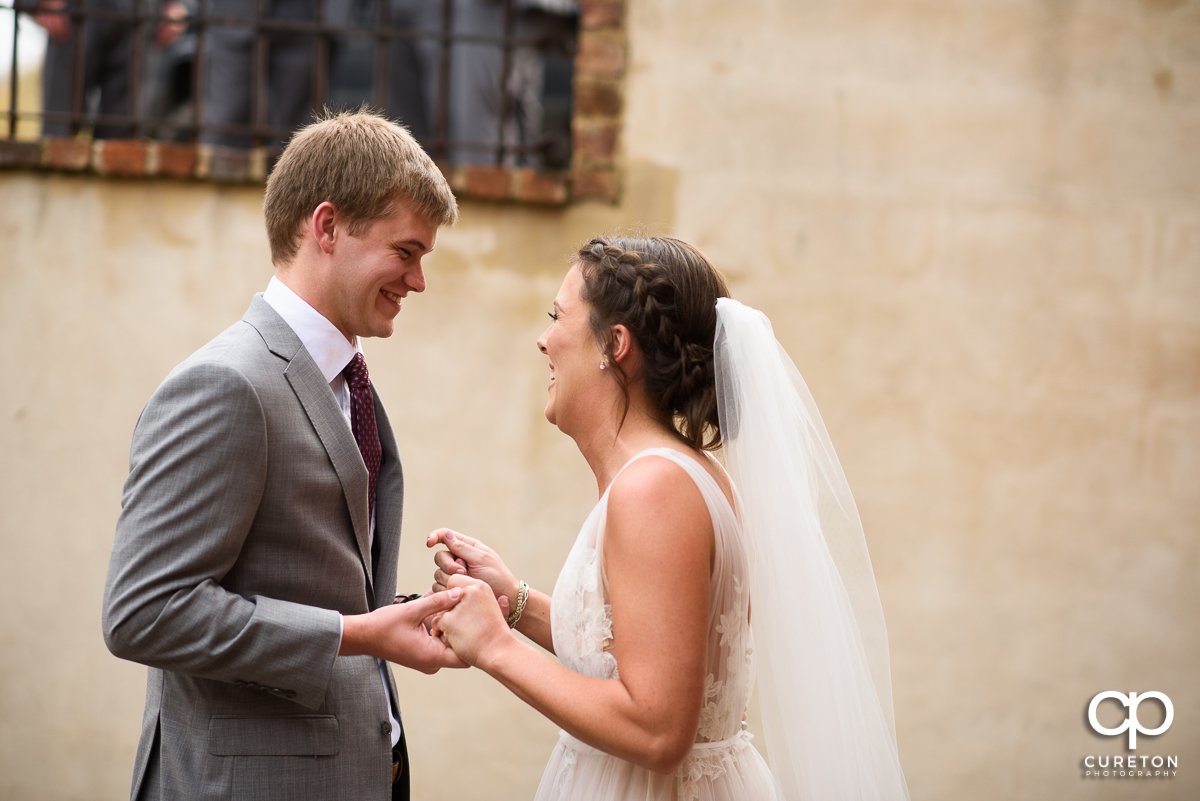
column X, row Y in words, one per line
column 541, row 341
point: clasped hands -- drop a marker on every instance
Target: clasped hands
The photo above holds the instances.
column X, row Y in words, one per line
column 456, row 625
column 477, row 625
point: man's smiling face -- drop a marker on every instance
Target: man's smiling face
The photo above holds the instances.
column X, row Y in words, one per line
column 372, row 273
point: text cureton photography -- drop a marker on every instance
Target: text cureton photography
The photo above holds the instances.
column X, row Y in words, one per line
column 1130, row 766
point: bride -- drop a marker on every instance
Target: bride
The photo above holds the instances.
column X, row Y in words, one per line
column 683, row 581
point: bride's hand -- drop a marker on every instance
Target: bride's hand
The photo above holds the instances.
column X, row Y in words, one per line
column 468, row 556
column 475, row 627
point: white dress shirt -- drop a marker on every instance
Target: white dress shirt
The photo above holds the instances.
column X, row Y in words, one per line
column 332, row 352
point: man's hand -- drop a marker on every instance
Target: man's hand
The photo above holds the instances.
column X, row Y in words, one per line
column 475, row 628
column 52, row 16
column 396, row 633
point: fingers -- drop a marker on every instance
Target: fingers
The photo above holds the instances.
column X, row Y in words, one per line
column 464, row 548
column 449, row 659
column 439, row 655
column 437, row 537
column 468, row 549
column 448, row 564
column 457, row 582
column 433, row 604
column 503, row 601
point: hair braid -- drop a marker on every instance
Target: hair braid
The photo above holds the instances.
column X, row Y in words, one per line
column 665, row 292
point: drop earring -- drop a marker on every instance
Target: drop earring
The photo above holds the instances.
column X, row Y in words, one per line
column 604, row 364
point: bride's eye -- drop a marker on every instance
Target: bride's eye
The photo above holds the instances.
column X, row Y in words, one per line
column 553, row 316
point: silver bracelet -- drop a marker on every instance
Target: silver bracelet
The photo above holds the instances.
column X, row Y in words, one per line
column 522, row 597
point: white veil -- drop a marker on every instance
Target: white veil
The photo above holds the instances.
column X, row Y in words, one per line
column 821, row 647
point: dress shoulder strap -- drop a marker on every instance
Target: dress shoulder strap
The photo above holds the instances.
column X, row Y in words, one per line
column 714, row 496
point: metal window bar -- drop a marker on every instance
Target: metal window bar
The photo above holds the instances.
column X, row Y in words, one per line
column 201, row 22
column 13, row 78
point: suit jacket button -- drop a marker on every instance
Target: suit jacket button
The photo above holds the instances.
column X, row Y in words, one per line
column 385, row 728
column 289, row 693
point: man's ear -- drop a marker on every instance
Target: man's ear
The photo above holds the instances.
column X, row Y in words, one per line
column 324, row 226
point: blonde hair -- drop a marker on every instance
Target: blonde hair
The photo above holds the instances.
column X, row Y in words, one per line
column 360, row 162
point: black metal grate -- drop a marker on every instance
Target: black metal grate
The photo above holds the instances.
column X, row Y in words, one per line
column 349, row 52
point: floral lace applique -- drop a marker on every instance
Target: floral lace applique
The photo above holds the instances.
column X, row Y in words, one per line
column 731, row 624
column 588, row 620
column 711, row 709
column 566, row 774
column 708, row 764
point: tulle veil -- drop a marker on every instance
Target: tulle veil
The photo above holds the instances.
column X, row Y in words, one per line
column 821, row 647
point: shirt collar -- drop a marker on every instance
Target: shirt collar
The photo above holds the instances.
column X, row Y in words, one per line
column 328, row 348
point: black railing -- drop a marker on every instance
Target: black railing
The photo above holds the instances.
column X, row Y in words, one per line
column 477, row 81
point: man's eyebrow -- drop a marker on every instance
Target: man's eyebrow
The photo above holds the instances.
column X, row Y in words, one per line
column 418, row 244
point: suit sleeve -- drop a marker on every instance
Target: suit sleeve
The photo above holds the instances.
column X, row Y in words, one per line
column 197, row 472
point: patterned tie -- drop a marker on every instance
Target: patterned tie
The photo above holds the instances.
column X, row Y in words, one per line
column 362, row 421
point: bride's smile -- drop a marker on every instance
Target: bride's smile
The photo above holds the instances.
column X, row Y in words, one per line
column 574, row 356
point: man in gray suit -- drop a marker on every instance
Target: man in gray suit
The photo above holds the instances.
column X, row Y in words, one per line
column 254, row 565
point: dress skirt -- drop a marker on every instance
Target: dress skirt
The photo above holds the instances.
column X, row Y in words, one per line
column 728, row 770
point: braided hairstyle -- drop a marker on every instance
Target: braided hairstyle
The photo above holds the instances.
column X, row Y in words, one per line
column 665, row 292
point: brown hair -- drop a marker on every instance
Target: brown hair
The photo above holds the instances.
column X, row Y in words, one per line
column 665, row 292
column 362, row 164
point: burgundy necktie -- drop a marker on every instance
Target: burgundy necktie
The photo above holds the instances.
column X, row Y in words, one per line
column 362, row 421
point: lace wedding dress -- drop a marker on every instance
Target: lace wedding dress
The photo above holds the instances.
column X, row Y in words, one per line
column 797, row 547
column 723, row 765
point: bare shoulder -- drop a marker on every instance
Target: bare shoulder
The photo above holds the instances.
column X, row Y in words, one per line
column 655, row 504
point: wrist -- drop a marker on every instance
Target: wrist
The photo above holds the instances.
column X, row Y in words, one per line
column 355, row 635
column 491, row 660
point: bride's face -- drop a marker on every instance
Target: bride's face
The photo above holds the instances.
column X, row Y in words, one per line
column 576, row 379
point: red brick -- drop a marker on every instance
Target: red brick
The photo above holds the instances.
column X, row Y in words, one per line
column 123, row 157
column 455, row 176
column 176, row 160
column 535, row 187
column 488, row 183
column 601, row 15
column 18, row 154
column 600, row 55
column 596, row 144
column 603, row 98
column 595, row 185
column 229, row 165
column 64, row 153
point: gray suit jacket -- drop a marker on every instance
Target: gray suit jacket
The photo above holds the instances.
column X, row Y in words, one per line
column 243, row 532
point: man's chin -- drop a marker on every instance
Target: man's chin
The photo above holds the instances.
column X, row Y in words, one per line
column 382, row 328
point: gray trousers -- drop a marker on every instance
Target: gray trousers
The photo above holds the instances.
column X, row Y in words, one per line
column 230, row 73
column 473, row 113
column 105, row 73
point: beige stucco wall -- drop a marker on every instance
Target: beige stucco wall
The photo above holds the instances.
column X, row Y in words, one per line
column 976, row 227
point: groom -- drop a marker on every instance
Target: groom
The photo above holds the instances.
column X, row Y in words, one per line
column 254, row 565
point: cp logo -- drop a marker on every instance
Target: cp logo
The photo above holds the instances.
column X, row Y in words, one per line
column 1131, row 701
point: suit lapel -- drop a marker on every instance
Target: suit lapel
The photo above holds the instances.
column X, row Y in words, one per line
column 326, row 417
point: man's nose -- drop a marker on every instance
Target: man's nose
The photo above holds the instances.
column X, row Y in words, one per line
column 416, row 279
